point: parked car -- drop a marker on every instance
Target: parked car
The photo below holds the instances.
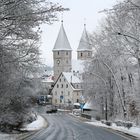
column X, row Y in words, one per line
column 51, row 109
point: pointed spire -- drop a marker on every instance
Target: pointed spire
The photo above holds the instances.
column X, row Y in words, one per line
column 84, row 43
column 62, row 42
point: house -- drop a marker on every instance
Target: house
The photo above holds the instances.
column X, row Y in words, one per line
column 67, row 89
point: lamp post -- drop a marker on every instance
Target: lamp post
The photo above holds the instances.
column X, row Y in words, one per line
column 105, row 84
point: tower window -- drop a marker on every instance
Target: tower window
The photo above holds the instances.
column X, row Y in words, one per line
column 81, row 54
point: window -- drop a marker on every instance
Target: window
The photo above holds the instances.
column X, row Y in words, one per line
column 67, row 61
column 57, row 86
column 61, row 92
column 55, row 92
column 77, row 100
column 64, row 79
column 81, row 54
column 66, row 85
column 77, row 94
column 68, row 93
column 77, row 86
column 60, row 80
column 58, row 53
column 66, row 53
column 62, row 86
column 88, row 53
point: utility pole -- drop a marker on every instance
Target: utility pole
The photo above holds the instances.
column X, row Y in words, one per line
column 105, row 84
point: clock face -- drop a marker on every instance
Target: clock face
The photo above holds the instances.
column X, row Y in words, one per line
column 58, row 61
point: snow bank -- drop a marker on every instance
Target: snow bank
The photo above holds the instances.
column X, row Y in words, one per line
column 132, row 131
column 39, row 123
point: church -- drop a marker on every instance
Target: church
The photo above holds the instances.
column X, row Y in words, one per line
column 68, row 78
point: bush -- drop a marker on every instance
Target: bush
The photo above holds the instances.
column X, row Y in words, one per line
column 108, row 123
column 119, row 123
column 128, row 124
column 125, row 124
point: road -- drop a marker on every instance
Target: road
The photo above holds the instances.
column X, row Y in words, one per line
column 65, row 127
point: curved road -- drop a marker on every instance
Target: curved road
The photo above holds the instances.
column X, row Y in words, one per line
column 66, row 127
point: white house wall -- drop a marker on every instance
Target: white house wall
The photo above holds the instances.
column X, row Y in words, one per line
column 62, row 88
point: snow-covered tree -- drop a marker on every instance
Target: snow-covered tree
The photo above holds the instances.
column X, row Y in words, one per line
column 19, row 43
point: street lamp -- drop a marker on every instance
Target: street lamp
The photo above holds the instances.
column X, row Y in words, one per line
column 105, row 83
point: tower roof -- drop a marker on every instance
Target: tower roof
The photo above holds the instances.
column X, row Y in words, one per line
column 84, row 44
column 62, row 42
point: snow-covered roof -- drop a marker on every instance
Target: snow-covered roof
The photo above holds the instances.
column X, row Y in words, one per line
column 88, row 105
column 62, row 42
column 84, row 44
column 77, row 104
column 71, row 78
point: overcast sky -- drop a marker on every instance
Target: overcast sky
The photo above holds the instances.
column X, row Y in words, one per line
column 73, row 24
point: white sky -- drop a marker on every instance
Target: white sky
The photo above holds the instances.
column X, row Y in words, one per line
column 73, row 24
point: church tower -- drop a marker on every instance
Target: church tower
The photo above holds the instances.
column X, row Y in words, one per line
column 84, row 50
column 62, row 54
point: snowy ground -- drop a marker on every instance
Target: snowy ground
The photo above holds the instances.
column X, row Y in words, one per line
column 39, row 123
column 135, row 131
